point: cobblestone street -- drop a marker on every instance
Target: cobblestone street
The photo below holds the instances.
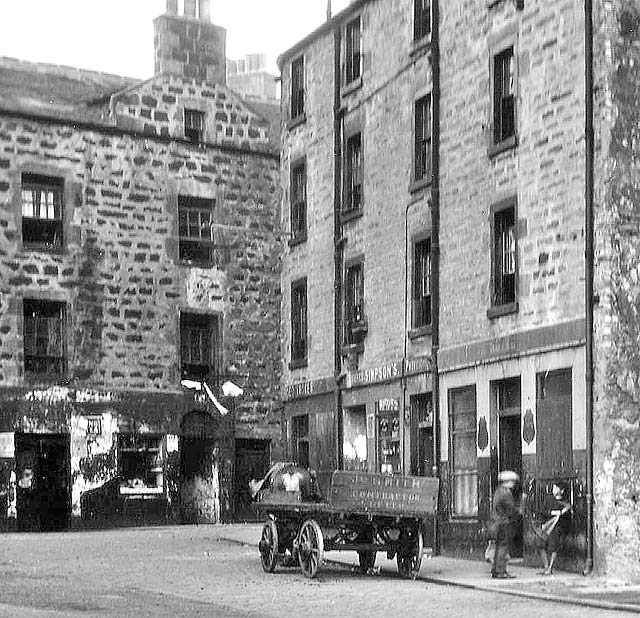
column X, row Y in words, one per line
column 197, row 571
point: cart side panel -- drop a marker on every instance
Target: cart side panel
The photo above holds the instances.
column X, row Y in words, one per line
column 382, row 493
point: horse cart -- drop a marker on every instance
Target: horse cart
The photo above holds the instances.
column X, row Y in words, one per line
column 366, row 513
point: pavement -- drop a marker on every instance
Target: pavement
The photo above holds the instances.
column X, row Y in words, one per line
column 561, row 587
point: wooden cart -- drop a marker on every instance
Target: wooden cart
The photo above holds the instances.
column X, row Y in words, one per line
column 366, row 513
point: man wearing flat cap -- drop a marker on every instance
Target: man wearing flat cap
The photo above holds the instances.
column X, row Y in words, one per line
column 504, row 512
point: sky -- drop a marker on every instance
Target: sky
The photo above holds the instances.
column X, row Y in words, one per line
column 116, row 36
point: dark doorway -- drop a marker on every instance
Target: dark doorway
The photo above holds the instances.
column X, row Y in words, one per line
column 252, row 462
column 43, row 472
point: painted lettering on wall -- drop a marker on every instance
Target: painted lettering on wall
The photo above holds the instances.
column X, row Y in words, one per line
column 375, row 374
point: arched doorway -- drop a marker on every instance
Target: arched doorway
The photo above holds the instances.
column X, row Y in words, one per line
column 199, row 468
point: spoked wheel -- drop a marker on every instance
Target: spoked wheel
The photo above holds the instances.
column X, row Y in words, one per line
column 367, row 560
column 268, row 546
column 310, row 548
column 410, row 553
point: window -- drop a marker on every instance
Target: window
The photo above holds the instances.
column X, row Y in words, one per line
column 353, row 176
column 42, row 206
column 421, row 406
column 421, row 310
column 140, row 463
column 44, row 349
column 300, row 440
column 195, row 229
column 194, row 125
column 464, row 461
column 354, row 441
column 299, row 202
column 504, row 256
column 299, row 321
column 356, row 322
column 504, row 111
column 388, row 438
column 198, row 347
column 421, row 18
column 422, row 162
column 297, row 88
column 353, row 52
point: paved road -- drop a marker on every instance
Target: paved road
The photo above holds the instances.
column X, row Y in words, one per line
column 187, row 571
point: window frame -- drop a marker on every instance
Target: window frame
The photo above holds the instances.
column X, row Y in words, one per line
column 421, row 326
column 499, row 305
column 194, row 131
column 298, row 203
column 353, row 191
column 420, row 32
column 422, row 144
column 297, row 94
column 353, row 56
column 498, row 141
column 132, row 447
column 34, row 182
column 203, row 322
column 355, row 319
column 56, row 364
column 299, row 316
column 189, row 204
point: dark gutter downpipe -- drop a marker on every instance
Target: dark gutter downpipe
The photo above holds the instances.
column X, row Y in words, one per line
column 338, row 242
column 589, row 268
column 435, row 248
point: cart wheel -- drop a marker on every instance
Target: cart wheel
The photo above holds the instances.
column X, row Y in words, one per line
column 268, row 546
column 367, row 560
column 310, row 548
column 410, row 556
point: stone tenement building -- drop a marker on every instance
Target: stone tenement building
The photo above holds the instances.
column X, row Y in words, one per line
column 139, row 272
column 449, row 171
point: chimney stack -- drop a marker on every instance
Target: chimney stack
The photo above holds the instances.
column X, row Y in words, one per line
column 188, row 46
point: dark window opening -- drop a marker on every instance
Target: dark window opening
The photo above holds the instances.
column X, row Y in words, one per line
column 297, row 87
column 353, row 51
column 199, row 347
column 504, row 257
column 299, row 321
column 421, row 18
column 504, row 119
column 140, row 463
column 44, row 349
column 353, row 176
column 300, row 440
column 299, row 202
column 195, row 229
column 42, row 205
column 194, row 125
column 356, row 323
column 423, row 138
column 421, row 310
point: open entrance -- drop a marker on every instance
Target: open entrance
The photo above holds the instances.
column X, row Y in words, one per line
column 252, row 462
column 199, row 472
column 505, row 395
column 43, row 474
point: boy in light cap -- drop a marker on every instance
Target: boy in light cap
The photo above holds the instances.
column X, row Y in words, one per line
column 503, row 514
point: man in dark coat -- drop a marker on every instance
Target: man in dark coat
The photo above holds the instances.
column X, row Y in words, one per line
column 504, row 513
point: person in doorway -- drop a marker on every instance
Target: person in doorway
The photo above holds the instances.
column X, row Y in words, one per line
column 504, row 513
column 557, row 526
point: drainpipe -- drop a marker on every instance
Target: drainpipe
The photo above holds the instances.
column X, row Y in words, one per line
column 338, row 243
column 589, row 267
column 435, row 248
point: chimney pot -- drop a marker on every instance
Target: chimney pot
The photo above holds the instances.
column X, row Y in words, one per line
column 172, row 7
column 205, row 10
column 189, row 8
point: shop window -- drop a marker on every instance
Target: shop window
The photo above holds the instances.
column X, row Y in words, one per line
column 353, row 174
column 422, row 434
column 356, row 321
column 195, row 230
column 504, row 98
column 297, row 88
column 198, row 347
column 299, row 321
column 388, row 438
column 353, row 51
column 42, row 211
column 504, row 255
column 300, row 440
column 299, row 203
column 421, row 18
column 422, row 138
column 194, row 126
column 44, row 349
column 464, row 460
column 140, row 463
column 421, row 309
column 354, row 442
